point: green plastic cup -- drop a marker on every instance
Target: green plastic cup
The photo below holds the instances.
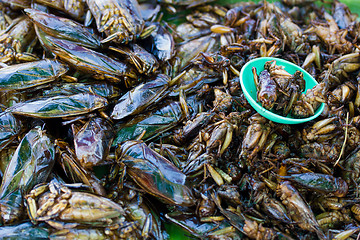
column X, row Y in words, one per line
column 249, row 88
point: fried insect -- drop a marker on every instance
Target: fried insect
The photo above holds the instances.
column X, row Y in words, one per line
column 17, row 41
column 300, row 211
column 120, row 20
column 267, row 91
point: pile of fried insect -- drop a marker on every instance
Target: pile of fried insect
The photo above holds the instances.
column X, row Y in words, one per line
column 126, row 120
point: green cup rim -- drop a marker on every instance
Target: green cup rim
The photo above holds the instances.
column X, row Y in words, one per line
column 266, row 113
